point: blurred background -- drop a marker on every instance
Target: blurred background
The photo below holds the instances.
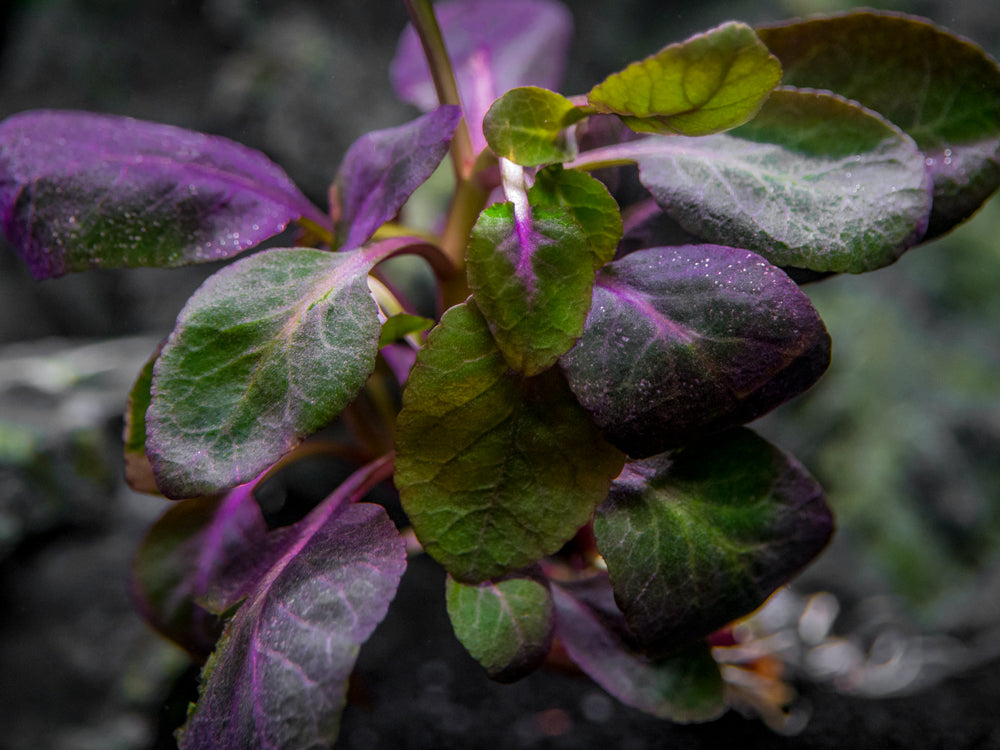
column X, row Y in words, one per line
column 893, row 634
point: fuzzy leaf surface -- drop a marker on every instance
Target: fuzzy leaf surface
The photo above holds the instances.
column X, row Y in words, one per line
column 81, row 190
column 526, row 125
column 532, row 281
column 505, row 625
column 709, row 83
column 942, row 90
column 699, row 538
column 266, row 351
column 685, row 341
column 813, row 181
column 279, row 675
column 685, row 687
column 587, row 200
column 494, row 470
column 494, row 46
column 383, row 168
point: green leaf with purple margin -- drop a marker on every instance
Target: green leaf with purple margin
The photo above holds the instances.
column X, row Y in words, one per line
column 685, row 341
column 684, row 687
column 701, row 537
column 495, row 470
column 278, row 677
column 942, row 90
column 383, row 168
column 267, row 351
column 531, row 277
column 814, row 181
column 711, row 82
column 505, row 625
column 587, row 200
column 494, row 46
column 81, row 190
column 527, row 125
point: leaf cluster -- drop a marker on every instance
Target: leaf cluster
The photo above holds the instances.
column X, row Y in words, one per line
column 565, row 427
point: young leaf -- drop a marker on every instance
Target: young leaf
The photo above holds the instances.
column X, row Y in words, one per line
column 683, row 688
column 697, row 539
column 685, row 341
column 279, row 675
column 81, row 190
column 709, row 83
column 506, row 625
column 814, row 181
column 401, row 325
column 587, row 200
column 494, row 470
column 494, row 46
column 266, row 351
column 527, row 126
column 942, row 90
column 532, row 279
column 382, row 169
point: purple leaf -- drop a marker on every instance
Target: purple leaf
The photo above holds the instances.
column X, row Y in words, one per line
column 80, row 190
column 684, row 687
column 384, row 167
column 198, row 560
column 685, row 341
column 494, row 45
column 279, row 675
column 165, row 583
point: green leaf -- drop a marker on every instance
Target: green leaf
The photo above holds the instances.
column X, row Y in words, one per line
column 814, row 181
column 589, row 202
column 400, row 325
column 267, row 351
column 527, row 126
column 709, row 83
column 531, row 278
column 494, row 470
column 684, row 687
column 506, row 625
column 138, row 472
column 942, row 90
column 701, row 537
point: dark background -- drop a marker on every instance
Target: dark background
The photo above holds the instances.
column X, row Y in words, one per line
column 904, row 431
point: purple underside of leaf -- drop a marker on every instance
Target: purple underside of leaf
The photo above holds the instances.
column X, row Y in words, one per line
column 237, row 549
column 81, row 190
column 685, row 688
column 279, row 675
column 383, row 168
column 494, row 45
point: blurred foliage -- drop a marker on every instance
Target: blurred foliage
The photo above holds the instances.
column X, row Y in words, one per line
column 904, row 430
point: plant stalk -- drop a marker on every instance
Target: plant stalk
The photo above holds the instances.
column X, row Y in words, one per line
column 422, row 17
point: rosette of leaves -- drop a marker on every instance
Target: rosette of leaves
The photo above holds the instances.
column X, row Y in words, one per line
column 578, row 405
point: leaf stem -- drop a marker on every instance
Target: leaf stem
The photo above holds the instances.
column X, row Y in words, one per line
column 425, row 23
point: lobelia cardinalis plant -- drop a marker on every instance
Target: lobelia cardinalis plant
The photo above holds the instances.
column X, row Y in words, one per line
column 619, row 275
